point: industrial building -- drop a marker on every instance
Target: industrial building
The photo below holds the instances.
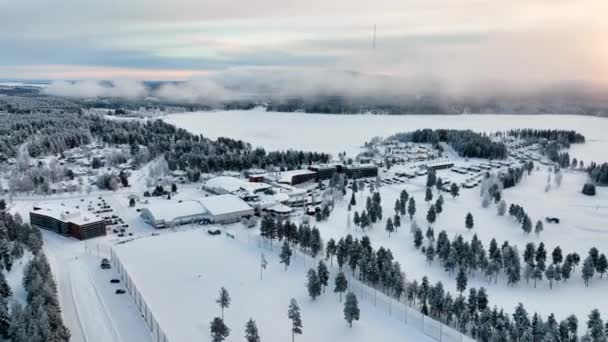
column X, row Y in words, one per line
column 68, row 222
column 163, row 214
column 226, row 208
column 324, row 171
column 231, row 185
column 294, row 177
column 359, row 170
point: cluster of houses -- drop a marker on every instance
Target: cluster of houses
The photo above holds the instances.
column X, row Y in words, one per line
column 230, row 197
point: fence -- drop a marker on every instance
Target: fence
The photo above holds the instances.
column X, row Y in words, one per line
column 394, row 308
column 155, row 328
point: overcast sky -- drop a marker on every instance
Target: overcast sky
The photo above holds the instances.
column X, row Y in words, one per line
column 452, row 40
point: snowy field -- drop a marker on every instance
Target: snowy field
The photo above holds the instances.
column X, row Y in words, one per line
column 583, row 225
column 181, row 284
column 339, row 133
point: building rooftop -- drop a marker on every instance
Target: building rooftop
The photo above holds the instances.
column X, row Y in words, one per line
column 224, row 204
column 233, row 184
column 168, row 211
column 67, row 214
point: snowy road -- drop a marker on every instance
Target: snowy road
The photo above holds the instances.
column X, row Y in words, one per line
column 91, row 309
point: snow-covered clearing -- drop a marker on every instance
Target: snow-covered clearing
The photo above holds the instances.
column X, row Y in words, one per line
column 337, row 133
column 181, row 283
column 582, row 227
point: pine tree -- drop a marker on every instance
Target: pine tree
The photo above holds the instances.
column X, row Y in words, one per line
column 251, row 331
column 5, row 319
column 454, row 190
column 223, row 300
column 390, row 228
column 341, row 284
column 313, row 284
column 526, row 224
column 219, row 330
column 418, row 238
column 602, row 265
column 397, row 221
column 330, row 250
column 439, row 205
column 588, row 270
column 285, row 255
column 461, row 281
column 539, row 227
column 557, row 256
column 323, row 274
column 502, row 208
column 351, row 309
column 430, row 215
column 411, row 208
column 468, row 222
column 428, row 195
column 293, row 313
column 595, row 327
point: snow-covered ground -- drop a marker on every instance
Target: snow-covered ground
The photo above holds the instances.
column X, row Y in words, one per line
column 338, row 133
column 583, row 225
column 181, row 284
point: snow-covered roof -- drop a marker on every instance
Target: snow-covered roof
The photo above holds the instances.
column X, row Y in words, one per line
column 169, row 211
column 224, row 204
column 280, row 208
column 67, row 214
column 233, row 184
column 287, row 176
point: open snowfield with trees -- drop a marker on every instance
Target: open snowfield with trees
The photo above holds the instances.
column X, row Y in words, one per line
column 338, row 133
column 180, row 275
column 582, row 226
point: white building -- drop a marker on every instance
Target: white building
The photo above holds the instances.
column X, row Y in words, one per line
column 161, row 214
column 230, row 185
column 226, row 208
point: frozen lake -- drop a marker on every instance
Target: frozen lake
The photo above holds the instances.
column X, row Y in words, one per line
column 338, row 133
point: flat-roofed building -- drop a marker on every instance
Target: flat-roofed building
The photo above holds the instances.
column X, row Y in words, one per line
column 68, row 222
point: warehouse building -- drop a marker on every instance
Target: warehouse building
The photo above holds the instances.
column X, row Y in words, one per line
column 226, row 208
column 324, row 171
column 231, row 185
column 294, row 177
column 163, row 214
column 359, row 170
column 68, row 222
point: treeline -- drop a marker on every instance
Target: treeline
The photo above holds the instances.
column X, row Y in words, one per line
column 565, row 137
column 183, row 150
column 598, row 173
column 467, row 143
column 40, row 319
column 43, row 133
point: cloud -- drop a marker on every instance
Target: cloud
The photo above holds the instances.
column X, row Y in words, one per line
column 122, row 88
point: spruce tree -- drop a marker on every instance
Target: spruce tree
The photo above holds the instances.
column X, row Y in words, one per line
column 461, row 281
column 353, row 201
column 595, row 327
column 219, row 330
column 293, row 313
column 313, row 284
column 341, row 284
column 251, row 331
column 428, row 195
column 454, row 190
column 602, row 265
column 431, row 216
column 351, row 309
column 526, row 225
column 390, row 228
column 468, row 221
column 588, row 270
column 285, row 255
column 539, row 227
column 323, row 274
column 411, row 208
column 223, row 300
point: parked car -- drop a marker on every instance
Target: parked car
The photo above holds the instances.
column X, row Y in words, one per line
column 115, row 281
column 204, row 222
column 120, row 291
column 214, row 232
column 105, row 264
column 552, row 219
